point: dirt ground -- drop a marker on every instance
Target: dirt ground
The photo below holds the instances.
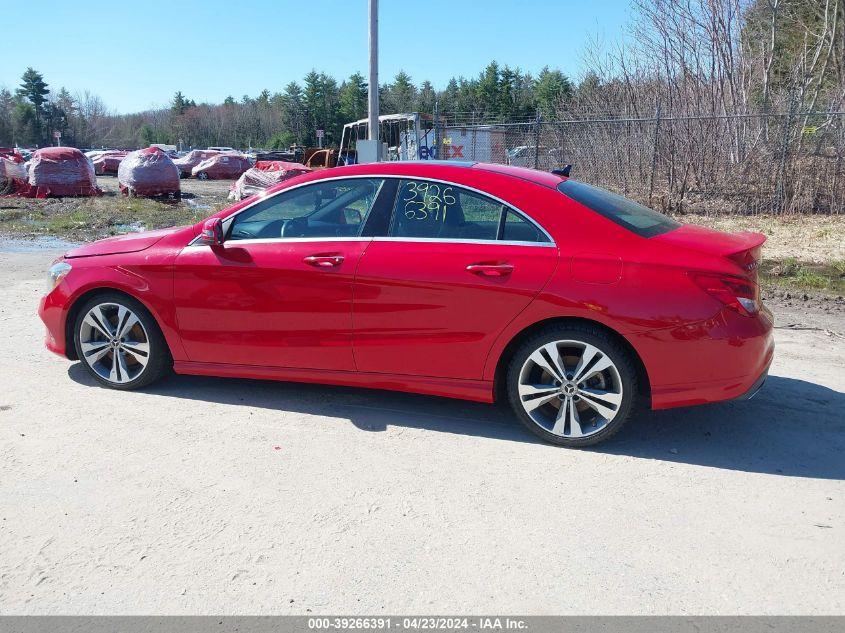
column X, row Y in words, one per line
column 202, row 495
column 85, row 219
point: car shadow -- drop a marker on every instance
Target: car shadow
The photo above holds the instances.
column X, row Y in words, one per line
column 791, row 427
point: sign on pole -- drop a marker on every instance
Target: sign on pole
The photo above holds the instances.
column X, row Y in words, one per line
column 320, row 138
column 57, row 135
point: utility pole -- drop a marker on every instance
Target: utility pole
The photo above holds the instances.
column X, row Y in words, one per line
column 372, row 100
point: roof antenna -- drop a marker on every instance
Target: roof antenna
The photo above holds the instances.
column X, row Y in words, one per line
column 563, row 172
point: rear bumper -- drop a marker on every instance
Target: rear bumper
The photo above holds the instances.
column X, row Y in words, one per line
column 758, row 384
column 724, row 358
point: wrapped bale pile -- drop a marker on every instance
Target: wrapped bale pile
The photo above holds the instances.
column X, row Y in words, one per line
column 193, row 158
column 108, row 162
column 265, row 174
column 12, row 174
column 60, row 171
column 150, row 173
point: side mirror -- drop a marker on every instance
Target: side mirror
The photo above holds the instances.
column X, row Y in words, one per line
column 212, row 232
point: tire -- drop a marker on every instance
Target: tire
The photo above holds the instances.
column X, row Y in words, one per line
column 142, row 350
column 577, row 410
column 202, row 175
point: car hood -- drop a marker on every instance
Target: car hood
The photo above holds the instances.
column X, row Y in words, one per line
column 129, row 243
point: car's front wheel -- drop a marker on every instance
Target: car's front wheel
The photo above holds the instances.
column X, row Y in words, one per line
column 572, row 385
column 119, row 342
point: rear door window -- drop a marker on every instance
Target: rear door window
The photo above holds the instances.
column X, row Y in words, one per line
column 632, row 215
column 435, row 210
column 517, row 229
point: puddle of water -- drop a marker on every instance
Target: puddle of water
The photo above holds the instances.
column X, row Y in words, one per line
column 132, row 227
column 199, row 206
column 35, row 245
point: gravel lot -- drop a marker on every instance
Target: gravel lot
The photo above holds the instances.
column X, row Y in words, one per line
column 207, row 495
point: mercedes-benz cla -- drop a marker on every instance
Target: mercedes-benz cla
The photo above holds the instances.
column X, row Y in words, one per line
column 467, row 280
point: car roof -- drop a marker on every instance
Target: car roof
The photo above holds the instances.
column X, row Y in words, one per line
column 441, row 168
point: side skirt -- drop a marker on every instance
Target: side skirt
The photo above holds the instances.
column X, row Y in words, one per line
column 476, row 390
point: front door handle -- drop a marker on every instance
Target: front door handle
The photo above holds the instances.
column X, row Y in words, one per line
column 323, row 261
column 491, row 270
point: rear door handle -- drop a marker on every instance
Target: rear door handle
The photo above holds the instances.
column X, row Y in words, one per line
column 491, row 270
column 323, row 261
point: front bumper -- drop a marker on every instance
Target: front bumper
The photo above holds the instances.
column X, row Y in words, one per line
column 51, row 310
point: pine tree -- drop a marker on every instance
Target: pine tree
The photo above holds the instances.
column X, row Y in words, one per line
column 353, row 98
column 505, row 100
column 401, row 94
column 553, row 89
column 27, row 130
column 179, row 104
column 7, row 105
column 426, row 98
column 313, row 102
column 487, row 90
column 34, row 90
column 292, row 111
column 449, row 97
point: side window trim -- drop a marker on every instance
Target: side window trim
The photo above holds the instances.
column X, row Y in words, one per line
column 229, row 221
column 380, row 216
column 500, row 233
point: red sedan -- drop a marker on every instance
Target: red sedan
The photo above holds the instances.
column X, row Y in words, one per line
column 467, row 280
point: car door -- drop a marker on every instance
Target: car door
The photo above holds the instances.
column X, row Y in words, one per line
column 453, row 268
column 278, row 291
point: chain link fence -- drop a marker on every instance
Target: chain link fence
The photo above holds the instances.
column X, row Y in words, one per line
column 782, row 163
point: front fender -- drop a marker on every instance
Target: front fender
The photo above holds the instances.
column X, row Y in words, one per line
column 147, row 278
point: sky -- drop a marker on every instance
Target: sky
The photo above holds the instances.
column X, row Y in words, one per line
column 136, row 55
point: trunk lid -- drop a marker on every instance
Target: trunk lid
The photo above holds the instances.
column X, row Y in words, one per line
column 744, row 248
column 739, row 291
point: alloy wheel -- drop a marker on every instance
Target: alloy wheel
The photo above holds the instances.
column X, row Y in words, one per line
column 570, row 388
column 114, row 342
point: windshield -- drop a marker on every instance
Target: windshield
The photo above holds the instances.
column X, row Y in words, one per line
column 627, row 213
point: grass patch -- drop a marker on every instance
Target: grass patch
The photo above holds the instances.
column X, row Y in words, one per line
column 87, row 219
column 789, row 273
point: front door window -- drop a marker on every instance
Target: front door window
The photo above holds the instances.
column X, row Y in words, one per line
column 335, row 208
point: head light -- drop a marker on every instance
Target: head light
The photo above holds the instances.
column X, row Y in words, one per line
column 57, row 272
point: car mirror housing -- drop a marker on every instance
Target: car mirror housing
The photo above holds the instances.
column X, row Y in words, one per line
column 212, row 232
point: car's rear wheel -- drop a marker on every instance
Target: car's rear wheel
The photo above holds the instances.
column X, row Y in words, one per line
column 572, row 385
column 119, row 342
column 202, row 175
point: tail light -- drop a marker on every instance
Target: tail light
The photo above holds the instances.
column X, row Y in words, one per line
column 738, row 294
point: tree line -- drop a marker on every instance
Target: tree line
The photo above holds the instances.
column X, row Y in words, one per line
column 731, row 104
column 30, row 115
column 681, row 57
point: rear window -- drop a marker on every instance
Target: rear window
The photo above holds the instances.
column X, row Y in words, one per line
column 627, row 213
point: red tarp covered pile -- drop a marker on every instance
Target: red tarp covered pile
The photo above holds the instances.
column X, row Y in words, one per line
column 222, row 167
column 60, row 171
column 266, row 173
column 192, row 159
column 280, row 165
column 148, row 172
column 108, row 162
column 12, row 173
